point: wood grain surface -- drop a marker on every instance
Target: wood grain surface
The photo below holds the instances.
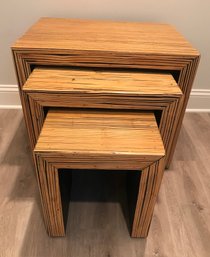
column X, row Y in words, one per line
column 104, row 89
column 100, row 132
column 128, row 46
column 78, row 139
column 106, row 36
column 97, row 224
column 83, row 81
column 150, row 181
column 105, row 44
column 96, row 219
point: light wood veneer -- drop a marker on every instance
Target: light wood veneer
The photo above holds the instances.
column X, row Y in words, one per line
column 144, row 53
column 56, row 87
column 106, row 44
column 81, row 139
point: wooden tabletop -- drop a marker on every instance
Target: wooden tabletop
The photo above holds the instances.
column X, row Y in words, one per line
column 97, row 82
column 91, row 132
column 107, row 36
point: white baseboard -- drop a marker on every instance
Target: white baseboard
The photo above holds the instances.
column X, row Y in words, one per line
column 9, row 97
column 199, row 99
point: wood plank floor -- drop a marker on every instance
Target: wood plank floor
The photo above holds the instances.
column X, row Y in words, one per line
column 96, row 224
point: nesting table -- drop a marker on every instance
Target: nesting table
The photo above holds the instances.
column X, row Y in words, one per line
column 103, row 95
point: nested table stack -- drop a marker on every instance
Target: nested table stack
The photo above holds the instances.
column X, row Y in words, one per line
column 103, row 95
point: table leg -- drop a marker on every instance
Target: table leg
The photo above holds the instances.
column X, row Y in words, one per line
column 149, row 186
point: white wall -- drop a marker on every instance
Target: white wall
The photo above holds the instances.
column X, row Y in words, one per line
column 191, row 18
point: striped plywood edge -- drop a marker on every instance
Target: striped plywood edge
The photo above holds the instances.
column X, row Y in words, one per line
column 82, row 88
column 103, row 140
column 107, row 44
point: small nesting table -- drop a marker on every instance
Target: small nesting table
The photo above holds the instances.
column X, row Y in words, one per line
column 99, row 140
